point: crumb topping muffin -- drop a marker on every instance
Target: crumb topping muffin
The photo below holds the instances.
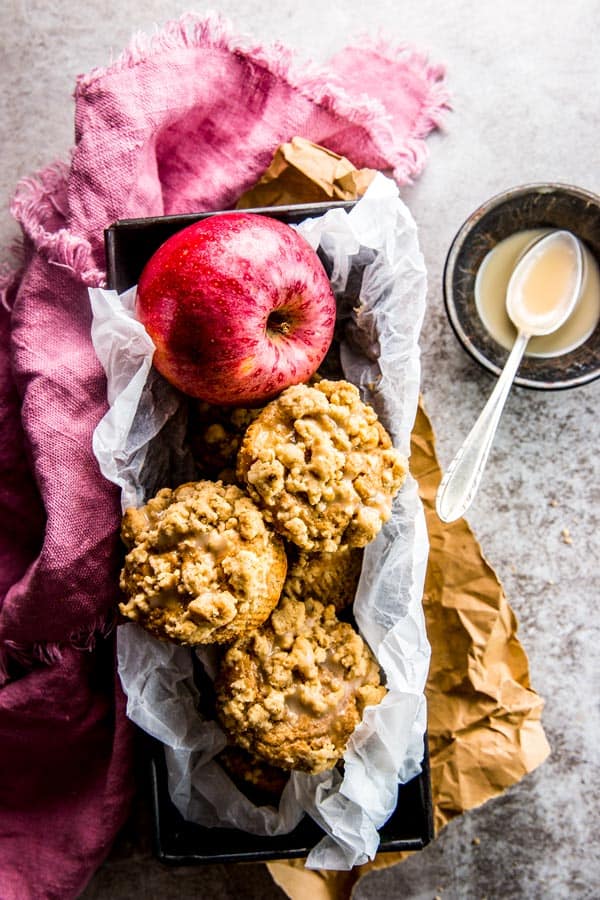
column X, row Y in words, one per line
column 215, row 435
column 321, row 467
column 245, row 770
column 327, row 577
column 294, row 690
column 202, row 565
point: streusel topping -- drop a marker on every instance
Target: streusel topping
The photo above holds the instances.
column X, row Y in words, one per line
column 202, row 565
column 327, row 577
column 293, row 691
column 215, row 435
column 321, row 466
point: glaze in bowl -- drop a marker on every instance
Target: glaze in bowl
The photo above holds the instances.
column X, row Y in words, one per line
column 527, row 206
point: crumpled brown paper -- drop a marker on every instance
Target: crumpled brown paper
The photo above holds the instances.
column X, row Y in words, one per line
column 484, row 718
column 484, row 724
column 303, row 172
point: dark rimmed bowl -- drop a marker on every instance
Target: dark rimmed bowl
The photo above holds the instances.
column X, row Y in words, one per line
column 528, row 206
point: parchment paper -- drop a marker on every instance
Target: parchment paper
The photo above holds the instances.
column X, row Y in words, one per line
column 378, row 275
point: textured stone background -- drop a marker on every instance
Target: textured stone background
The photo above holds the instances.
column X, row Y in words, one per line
column 525, row 83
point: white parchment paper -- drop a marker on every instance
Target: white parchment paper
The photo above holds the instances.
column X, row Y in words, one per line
column 379, row 279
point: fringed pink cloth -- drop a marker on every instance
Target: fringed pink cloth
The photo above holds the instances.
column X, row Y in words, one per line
column 184, row 121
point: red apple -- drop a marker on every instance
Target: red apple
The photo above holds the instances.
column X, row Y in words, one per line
column 239, row 307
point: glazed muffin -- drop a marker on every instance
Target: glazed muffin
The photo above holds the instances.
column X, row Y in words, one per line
column 327, row 577
column 203, row 566
column 249, row 773
column 294, row 690
column 215, row 434
column 321, row 467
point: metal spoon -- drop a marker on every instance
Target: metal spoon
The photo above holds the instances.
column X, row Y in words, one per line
column 459, row 485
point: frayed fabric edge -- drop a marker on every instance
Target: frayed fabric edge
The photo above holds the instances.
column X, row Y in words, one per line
column 409, row 162
column 437, row 102
column 214, row 32
column 36, row 199
column 317, row 84
column 10, row 276
column 29, row 655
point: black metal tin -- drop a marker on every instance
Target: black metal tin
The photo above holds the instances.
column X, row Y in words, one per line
column 182, row 843
column 129, row 244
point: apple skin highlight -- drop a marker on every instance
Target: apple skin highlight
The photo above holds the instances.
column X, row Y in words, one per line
column 238, row 306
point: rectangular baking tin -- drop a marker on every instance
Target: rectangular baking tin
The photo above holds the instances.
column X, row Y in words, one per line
column 182, row 843
column 129, row 244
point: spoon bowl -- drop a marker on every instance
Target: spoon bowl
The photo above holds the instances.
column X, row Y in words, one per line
column 542, row 293
column 539, row 299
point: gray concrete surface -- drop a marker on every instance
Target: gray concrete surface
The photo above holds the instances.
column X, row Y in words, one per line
column 525, row 83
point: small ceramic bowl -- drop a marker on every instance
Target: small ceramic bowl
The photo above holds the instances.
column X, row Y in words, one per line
column 529, row 206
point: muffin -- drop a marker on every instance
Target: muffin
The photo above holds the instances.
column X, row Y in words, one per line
column 327, row 577
column 203, row 566
column 321, row 466
column 293, row 691
column 253, row 775
column 215, row 434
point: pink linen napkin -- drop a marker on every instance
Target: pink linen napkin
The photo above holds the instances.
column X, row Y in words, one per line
column 184, row 121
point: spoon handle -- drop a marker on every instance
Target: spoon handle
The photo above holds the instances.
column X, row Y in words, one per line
column 459, row 485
